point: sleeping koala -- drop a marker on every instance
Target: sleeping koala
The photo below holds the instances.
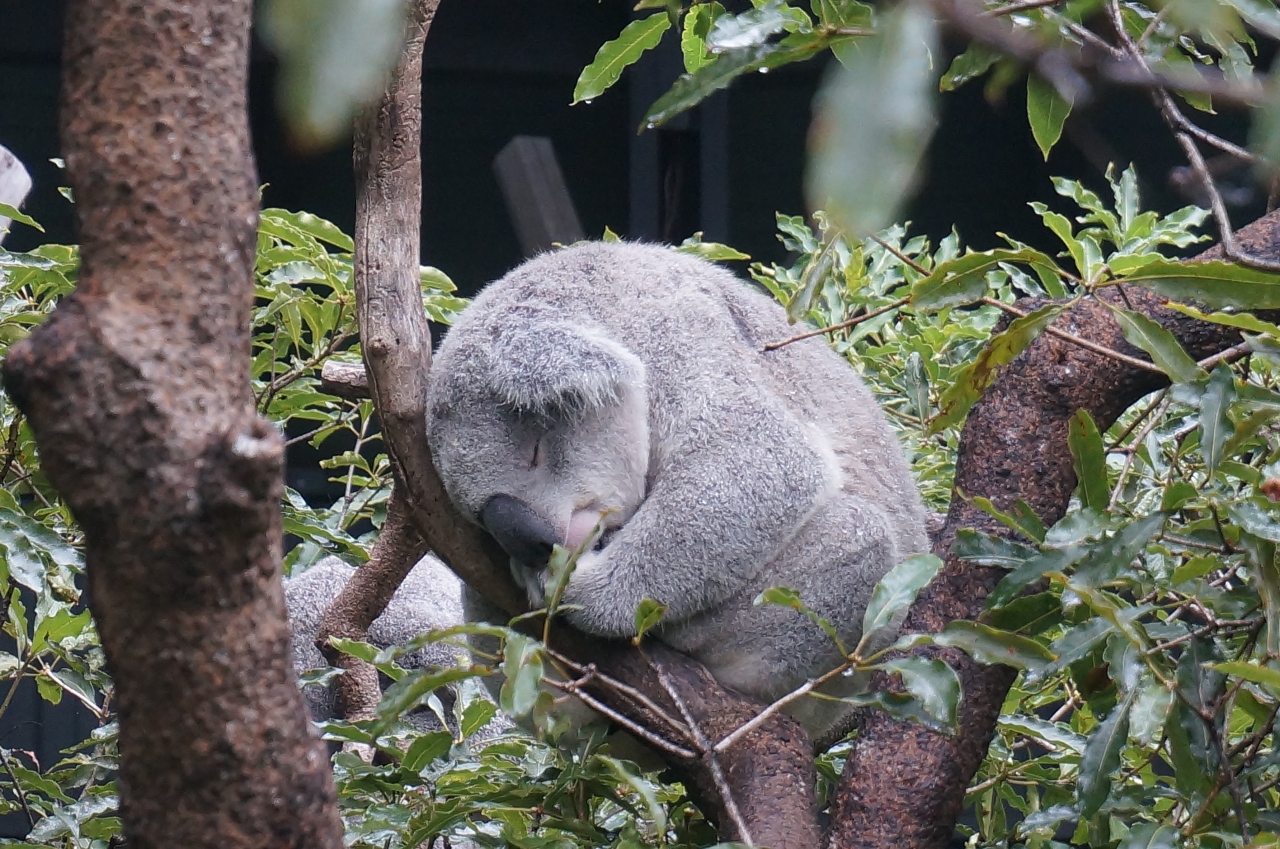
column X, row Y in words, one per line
column 627, row 385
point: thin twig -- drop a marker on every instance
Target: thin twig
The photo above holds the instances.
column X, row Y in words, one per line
column 757, row 720
column 617, row 686
column 1021, row 6
column 713, row 763
column 576, row 688
column 1235, row 352
column 1077, row 340
column 17, row 788
column 844, row 325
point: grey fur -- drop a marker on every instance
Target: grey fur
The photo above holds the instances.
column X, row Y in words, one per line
column 636, row 377
column 428, row 599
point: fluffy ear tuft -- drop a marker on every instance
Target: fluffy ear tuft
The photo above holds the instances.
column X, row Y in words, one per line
column 561, row 370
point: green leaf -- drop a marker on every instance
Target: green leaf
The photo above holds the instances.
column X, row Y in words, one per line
column 614, row 56
column 416, row 687
column 861, row 170
column 476, row 715
column 1072, row 646
column 963, row 280
column 1101, row 759
column 1150, row 835
column 1264, row 675
column 8, row 211
column 1215, row 426
column 975, row 61
column 648, row 614
column 693, row 36
column 314, row 226
column 1060, row 226
column 691, row 89
column 897, row 590
column 1217, row 284
column 1021, row 519
column 1047, row 111
column 522, row 666
column 992, row 646
column 1159, row 344
column 972, row 380
column 1035, row 568
column 1242, row 321
column 427, row 748
column 1089, row 456
column 787, row 597
column 931, row 682
column 1150, row 710
column 1053, row 735
column 711, row 251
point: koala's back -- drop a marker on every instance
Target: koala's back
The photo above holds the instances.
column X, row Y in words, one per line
column 698, row 328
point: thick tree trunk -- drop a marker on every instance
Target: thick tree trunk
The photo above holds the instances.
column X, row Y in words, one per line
column 903, row 786
column 137, row 391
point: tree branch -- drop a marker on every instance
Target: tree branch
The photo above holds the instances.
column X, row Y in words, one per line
column 903, row 785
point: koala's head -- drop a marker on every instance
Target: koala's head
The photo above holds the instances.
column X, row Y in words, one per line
column 539, row 430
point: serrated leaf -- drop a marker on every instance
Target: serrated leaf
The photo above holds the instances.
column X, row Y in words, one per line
column 1101, row 759
column 1159, row 344
column 1218, row 285
column 1215, row 426
column 314, row 226
column 861, row 170
column 1047, row 111
column 931, row 682
column 425, row 749
column 972, row 380
column 614, row 56
column 991, row 646
column 693, row 35
column 1089, row 457
column 897, row 590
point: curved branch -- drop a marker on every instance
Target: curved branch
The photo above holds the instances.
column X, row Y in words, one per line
column 903, row 786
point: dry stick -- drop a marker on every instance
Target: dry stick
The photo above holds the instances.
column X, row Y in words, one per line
column 1022, row 6
column 619, row 687
column 709, row 754
column 1183, row 132
column 17, row 787
column 577, row 689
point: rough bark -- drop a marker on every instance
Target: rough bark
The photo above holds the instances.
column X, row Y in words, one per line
column 904, row 786
column 770, row 772
column 137, row 391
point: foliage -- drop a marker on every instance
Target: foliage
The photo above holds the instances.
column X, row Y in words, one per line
column 1144, row 624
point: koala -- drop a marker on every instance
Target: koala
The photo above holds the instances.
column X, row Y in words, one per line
column 626, row 386
column 429, row 598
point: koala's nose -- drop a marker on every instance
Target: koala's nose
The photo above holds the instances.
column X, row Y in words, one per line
column 521, row 531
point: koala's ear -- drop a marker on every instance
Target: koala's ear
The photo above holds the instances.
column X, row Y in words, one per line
column 558, row 369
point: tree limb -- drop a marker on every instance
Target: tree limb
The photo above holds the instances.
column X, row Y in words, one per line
column 136, row 389
column 903, row 785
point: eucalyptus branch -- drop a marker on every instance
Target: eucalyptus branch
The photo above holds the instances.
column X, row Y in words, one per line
column 843, row 325
column 1067, row 336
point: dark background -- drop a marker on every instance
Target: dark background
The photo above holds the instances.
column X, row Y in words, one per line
column 499, row 68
